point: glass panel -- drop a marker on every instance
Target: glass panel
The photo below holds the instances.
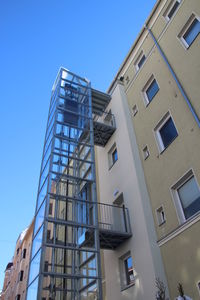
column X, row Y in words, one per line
column 129, row 270
column 140, row 63
column 37, row 242
column 189, row 195
column 42, row 193
column 152, row 90
column 192, row 32
column 32, row 290
column 173, row 9
column 39, row 217
column 34, row 267
column 168, row 132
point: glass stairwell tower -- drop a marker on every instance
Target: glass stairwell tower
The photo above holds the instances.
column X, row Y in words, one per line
column 69, row 222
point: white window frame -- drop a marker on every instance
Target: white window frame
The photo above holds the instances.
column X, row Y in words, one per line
column 110, row 156
column 145, row 88
column 138, row 59
column 174, row 192
column 146, row 152
column 169, row 9
column 122, row 270
column 185, row 28
column 157, row 129
column 160, row 219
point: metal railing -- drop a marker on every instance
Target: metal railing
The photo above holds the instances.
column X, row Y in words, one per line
column 114, row 218
column 105, row 118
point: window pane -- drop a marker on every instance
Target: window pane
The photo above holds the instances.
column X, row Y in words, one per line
column 34, row 267
column 190, row 197
column 129, row 270
column 173, row 9
column 37, row 242
column 168, row 132
column 32, row 291
column 152, row 90
column 140, row 63
column 114, row 156
column 192, row 32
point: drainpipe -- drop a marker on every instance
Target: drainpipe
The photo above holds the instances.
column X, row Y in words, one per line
column 196, row 117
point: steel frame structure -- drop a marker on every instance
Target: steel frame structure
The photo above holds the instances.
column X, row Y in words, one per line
column 61, row 266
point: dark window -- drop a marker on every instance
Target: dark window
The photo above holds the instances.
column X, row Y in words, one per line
column 24, row 253
column 189, row 195
column 50, row 208
column 192, row 32
column 17, row 251
column 168, row 132
column 48, row 234
column 21, row 274
column 173, row 9
column 141, row 61
column 114, row 156
column 152, row 90
column 129, row 270
column 17, row 297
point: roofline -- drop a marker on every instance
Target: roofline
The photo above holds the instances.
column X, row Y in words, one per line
column 134, row 45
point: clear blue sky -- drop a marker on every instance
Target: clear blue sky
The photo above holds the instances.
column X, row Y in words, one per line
column 90, row 38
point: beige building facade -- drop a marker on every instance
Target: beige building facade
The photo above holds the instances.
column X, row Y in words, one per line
column 16, row 273
column 160, row 77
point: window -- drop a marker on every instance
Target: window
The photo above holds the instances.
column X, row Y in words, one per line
column 20, row 276
column 145, row 152
column 190, row 31
column 17, row 297
column 24, row 253
column 150, row 90
column 165, row 132
column 112, row 156
column 139, row 61
column 186, row 195
column 171, row 9
column 50, row 208
column 160, row 215
column 126, row 271
column 135, row 110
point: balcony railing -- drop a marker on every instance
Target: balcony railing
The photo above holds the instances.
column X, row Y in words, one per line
column 104, row 127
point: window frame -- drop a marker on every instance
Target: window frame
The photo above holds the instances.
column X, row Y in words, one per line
column 147, row 101
column 138, row 60
column 123, row 271
column 158, row 127
column 134, row 110
column 176, row 198
column 160, row 220
column 146, row 152
column 111, row 161
column 170, row 8
column 185, row 28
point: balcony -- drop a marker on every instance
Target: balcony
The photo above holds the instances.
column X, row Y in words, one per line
column 103, row 122
column 104, row 127
column 114, row 227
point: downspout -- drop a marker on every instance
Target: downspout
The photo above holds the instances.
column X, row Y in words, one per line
column 187, row 100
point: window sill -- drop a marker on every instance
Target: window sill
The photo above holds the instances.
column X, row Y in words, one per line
column 162, row 223
column 127, row 286
column 112, row 165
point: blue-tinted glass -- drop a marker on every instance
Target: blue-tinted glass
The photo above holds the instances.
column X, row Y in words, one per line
column 192, row 32
column 32, row 290
column 37, row 242
column 114, row 156
column 141, row 61
column 129, row 262
column 168, row 132
column 39, row 217
column 34, row 267
column 152, row 90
